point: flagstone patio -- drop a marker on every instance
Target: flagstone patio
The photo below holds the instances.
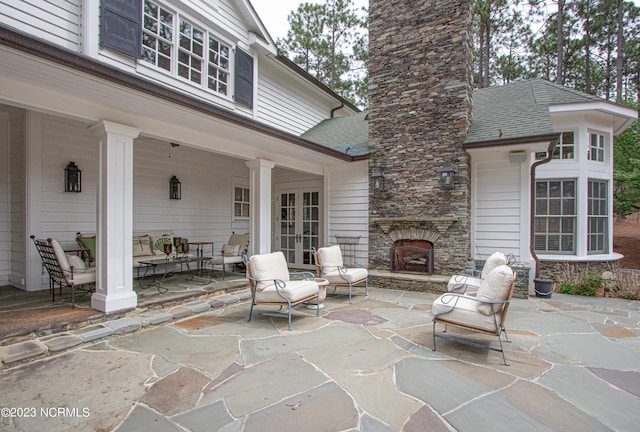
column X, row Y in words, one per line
column 366, row 366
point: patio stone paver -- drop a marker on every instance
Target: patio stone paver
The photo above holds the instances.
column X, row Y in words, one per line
column 177, row 392
column 575, row 365
column 265, row 384
column 523, row 407
column 323, row 408
column 377, row 394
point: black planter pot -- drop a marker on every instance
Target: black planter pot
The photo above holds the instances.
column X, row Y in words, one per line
column 543, row 287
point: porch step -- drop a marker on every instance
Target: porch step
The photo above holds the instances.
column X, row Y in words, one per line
column 44, row 342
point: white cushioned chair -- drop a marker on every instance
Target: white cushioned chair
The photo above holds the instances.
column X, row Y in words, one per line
column 271, row 284
column 468, row 284
column 330, row 266
column 233, row 252
column 485, row 312
column 64, row 270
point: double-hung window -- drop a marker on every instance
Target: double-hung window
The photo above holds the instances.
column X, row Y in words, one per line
column 598, row 217
column 596, row 147
column 565, row 149
column 173, row 43
column 555, row 216
column 240, row 203
column 157, row 35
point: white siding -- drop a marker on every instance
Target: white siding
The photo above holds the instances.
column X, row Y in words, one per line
column 17, row 198
column 497, row 205
column 4, row 199
column 348, row 206
column 203, row 214
column 55, row 21
column 285, row 104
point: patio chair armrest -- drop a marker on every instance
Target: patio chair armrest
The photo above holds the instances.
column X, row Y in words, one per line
column 305, row 275
column 452, row 299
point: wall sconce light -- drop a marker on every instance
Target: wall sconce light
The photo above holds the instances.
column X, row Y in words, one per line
column 377, row 181
column 447, row 176
column 72, row 178
column 175, row 188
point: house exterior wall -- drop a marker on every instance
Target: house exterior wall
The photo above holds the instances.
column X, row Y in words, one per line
column 420, row 110
column 348, row 207
column 5, row 213
column 58, row 22
column 497, row 207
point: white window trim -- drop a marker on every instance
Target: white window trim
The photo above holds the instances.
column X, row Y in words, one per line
column 153, row 70
column 605, row 142
column 244, row 184
column 576, row 217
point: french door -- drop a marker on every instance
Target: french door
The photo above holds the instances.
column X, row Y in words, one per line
column 298, row 225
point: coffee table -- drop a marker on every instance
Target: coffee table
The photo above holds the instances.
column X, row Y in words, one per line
column 167, row 267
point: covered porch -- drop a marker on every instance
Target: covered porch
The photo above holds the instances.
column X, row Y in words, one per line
column 129, row 138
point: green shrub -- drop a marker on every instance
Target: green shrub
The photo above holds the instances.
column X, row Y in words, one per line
column 566, row 288
column 590, row 283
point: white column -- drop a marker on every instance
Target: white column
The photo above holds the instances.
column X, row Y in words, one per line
column 114, row 287
column 260, row 209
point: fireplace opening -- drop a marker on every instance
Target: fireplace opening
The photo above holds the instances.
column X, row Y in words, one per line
column 412, row 256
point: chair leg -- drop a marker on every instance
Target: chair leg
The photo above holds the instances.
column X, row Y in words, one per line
column 434, row 336
column 504, row 358
column 251, row 309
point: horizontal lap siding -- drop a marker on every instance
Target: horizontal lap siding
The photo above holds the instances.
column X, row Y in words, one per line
column 55, row 21
column 349, row 206
column 4, row 200
column 203, row 213
column 497, row 209
column 280, row 105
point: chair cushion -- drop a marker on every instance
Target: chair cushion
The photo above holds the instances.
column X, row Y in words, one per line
column 61, row 257
column 230, row 249
column 84, row 277
column 330, row 258
column 142, row 246
column 464, row 284
column 242, row 240
column 88, row 242
column 268, row 267
column 222, row 259
column 351, row 275
column 496, row 259
column 461, row 309
column 293, row 290
column 495, row 287
column 76, row 262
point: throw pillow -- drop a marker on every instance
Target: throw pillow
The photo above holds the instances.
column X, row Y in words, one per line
column 89, row 243
column 495, row 260
column 76, row 262
column 230, row 250
column 495, row 287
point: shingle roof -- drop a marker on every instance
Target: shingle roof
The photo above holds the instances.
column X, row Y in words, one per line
column 511, row 111
column 517, row 110
column 348, row 134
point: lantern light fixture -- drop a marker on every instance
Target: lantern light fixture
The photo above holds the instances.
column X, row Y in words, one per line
column 377, row 181
column 447, row 177
column 175, row 188
column 72, row 178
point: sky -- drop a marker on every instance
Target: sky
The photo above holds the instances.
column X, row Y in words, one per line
column 274, row 13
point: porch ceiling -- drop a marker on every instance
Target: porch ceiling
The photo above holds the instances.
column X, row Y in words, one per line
column 36, row 84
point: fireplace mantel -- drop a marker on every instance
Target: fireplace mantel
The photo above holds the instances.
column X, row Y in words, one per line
column 440, row 223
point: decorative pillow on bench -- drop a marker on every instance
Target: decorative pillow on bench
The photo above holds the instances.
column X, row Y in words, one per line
column 142, row 246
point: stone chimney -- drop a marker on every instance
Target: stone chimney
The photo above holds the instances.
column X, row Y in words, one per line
column 420, row 84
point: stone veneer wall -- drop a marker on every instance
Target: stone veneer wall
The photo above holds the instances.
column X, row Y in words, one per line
column 420, row 84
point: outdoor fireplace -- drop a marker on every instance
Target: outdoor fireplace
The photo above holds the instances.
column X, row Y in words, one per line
column 412, row 250
column 412, row 256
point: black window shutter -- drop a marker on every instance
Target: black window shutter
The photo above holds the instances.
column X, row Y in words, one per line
column 244, row 78
column 121, row 26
